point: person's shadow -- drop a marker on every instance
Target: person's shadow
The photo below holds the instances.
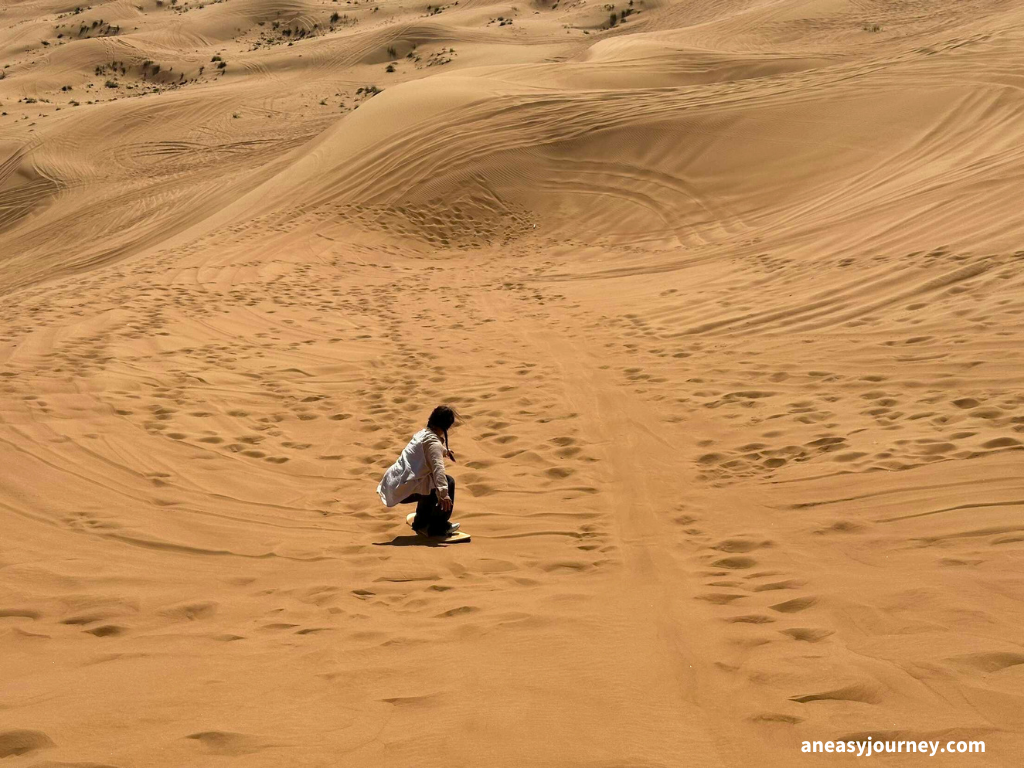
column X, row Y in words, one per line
column 417, row 541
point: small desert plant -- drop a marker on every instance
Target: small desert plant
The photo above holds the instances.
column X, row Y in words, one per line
column 110, row 84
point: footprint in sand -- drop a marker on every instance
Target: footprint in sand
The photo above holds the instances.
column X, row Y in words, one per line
column 107, row 630
column 735, row 563
column 23, row 742
column 753, row 618
column 863, row 693
column 226, row 743
column 795, row 605
column 807, row 634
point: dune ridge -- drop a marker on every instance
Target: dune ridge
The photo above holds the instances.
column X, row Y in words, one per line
column 728, row 295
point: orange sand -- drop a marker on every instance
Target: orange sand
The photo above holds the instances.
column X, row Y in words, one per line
column 730, row 298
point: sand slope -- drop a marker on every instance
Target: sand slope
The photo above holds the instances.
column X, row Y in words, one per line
column 728, row 293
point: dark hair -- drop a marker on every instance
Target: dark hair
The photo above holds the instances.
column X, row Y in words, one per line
column 442, row 417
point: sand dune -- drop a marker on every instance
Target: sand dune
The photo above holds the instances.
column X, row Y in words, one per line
column 728, row 294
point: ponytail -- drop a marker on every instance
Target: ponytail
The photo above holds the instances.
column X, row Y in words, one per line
column 442, row 418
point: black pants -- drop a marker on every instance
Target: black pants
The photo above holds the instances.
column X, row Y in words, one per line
column 429, row 514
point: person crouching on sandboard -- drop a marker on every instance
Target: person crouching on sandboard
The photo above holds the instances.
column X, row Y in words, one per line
column 418, row 476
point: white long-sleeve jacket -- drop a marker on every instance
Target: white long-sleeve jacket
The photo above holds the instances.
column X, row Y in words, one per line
column 419, row 469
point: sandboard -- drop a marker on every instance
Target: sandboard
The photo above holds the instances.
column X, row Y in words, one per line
column 456, row 538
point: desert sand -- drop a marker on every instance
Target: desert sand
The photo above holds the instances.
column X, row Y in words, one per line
column 729, row 295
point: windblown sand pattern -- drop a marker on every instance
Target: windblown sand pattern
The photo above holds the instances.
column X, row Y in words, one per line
column 729, row 295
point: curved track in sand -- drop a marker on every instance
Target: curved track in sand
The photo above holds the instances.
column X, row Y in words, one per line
column 729, row 296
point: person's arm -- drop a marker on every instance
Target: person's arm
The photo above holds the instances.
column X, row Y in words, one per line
column 435, row 462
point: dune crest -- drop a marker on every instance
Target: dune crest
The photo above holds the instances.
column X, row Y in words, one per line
column 727, row 294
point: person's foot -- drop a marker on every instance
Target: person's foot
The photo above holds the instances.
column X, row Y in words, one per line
column 452, row 528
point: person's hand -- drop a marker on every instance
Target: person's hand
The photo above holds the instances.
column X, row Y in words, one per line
column 451, row 456
column 445, row 504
